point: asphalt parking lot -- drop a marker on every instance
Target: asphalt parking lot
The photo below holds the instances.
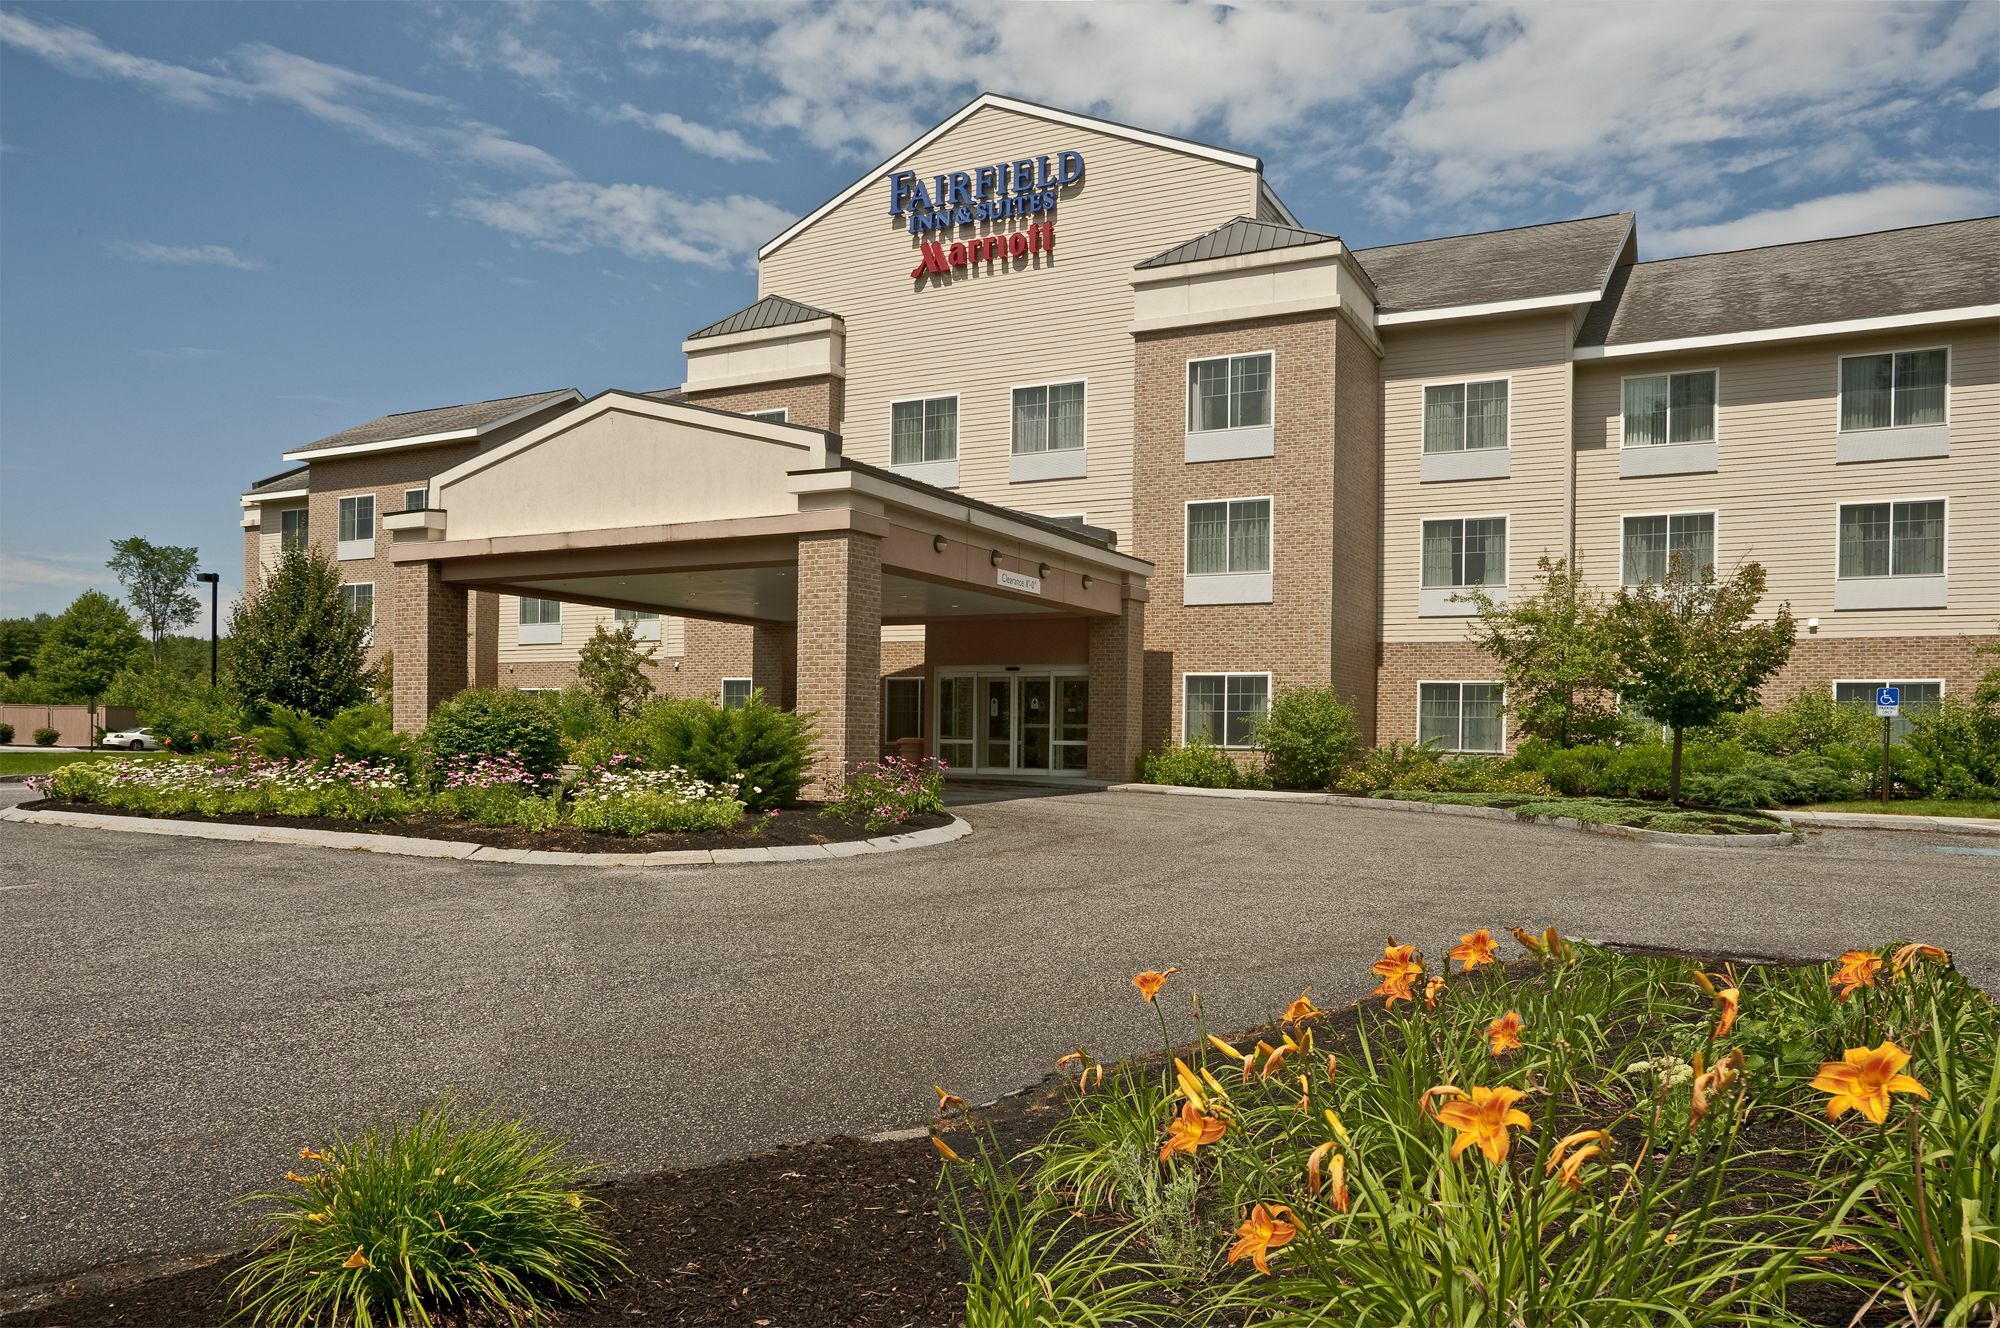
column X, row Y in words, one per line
column 183, row 1014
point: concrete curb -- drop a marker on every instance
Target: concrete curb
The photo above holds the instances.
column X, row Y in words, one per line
column 1776, row 840
column 1950, row 825
column 401, row 846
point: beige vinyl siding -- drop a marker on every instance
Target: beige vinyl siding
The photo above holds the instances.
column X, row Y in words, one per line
column 271, row 534
column 1777, row 488
column 579, row 621
column 984, row 331
column 1533, row 353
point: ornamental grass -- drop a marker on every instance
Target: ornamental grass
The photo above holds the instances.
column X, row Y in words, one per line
column 1578, row 1137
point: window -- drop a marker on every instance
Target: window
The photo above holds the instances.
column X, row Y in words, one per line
column 1048, row 419
column 1670, row 408
column 1465, row 417
column 1893, row 391
column 357, row 527
column 779, row 416
column 1229, row 537
column 735, row 693
column 1653, row 542
column 1224, row 708
column 1468, row 552
column 1461, row 716
column 540, row 622
column 1233, row 392
column 902, row 709
column 921, row 431
column 359, row 597
column 645, row 626
column 416, row 500
column 1912, row 694
column 292, row 528
column 1892, row 539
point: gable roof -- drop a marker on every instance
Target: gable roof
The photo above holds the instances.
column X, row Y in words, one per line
column 1525, row 263
column 771, row 311
column 1238, row 235
column 1029, row 108
column 285, row 481
column 438, row 424
column 1919, row 269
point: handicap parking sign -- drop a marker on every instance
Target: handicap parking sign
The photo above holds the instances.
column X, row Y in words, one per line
column 1888, row 702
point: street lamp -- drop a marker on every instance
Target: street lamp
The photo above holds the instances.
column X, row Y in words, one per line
column 214, row 580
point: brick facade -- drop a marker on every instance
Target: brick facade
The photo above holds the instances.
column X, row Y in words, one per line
column 431, row 664
column 1817, row 662
column 815, row 402
column 840, row 647
column 1407, row 663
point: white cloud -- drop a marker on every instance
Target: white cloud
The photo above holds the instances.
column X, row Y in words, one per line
column 722, row 144
column 1989, row 102
column 53, row 571
column 78, row 52
column 1884, row 207
column 182, row 255
column 534, row 64
column 637, row 220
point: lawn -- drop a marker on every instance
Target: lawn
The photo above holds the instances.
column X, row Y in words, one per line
column 1916, row 807
column 1611, row 811
column 41, row 763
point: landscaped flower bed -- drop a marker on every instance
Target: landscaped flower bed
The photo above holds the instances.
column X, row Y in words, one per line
column 1613, row 811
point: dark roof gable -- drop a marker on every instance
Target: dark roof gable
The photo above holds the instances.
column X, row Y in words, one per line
column 440, row 419
column 771, row 311
column 284, row 480
column 1238, row 235
column 1523, row 263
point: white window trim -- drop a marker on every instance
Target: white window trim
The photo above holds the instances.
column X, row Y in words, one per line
column 1668, row 374
column 1229, row 444
column 942, row 474
column 1833, row 687
column 538, row 633
column 1714, row 513
column 783, row 414
column 1230, row 587
column 368, row 636
column 305, row 515
column 918, row 679
column 424, row 490
column 1084, row 446
column 1840, row 378
column 722, row 690
column 1187, row 387
column 1842, row 506
column 643, row 629
column 1443, row 601
column 1423, row 390
column 1892, row 591
column 348, row 550
column 1460, row 683
column 1225, row 675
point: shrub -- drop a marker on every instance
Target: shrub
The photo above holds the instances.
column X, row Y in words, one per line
column 766, row 752
column 6, row 734
column 197, row 719
column 1309, row 736
column 361, row 733
column 242, row 784
column 1416, row 768
column 579, row 715
column 459, row 1215
column 297, row 643
column 1194, row 764
column 494, row 723
column 616, row 799
column 46, row 736
column 1952, row 750
column 495, row 790
column 888, row 792
column 1770, row 781
column 1809, row 721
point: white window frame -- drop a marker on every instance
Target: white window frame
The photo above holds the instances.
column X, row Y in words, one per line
column 905, row 679
column 1230, row 587
column 749, row 689
column 358, row 547
column 1669, row 458
column 1713, row 513
column 775, row 415
column 1445, row 601
column 542, row 633
column 1892, row 591
column 304, row 514
column 1225, row 675
column 1060, row 463
column 1485, row 463
column 1900, row 725
column 942, row 473
column 1461, row 684
column 645, row 623
column 368, row 635
column 1236, row 442
column 1893, row 442
column 423, row 496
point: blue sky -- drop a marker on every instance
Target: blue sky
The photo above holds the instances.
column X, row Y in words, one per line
column 228, row 229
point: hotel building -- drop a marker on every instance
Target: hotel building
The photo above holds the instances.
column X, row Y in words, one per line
column 1053, row 440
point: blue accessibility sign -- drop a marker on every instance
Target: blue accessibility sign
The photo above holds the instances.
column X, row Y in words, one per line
column 1888, row 702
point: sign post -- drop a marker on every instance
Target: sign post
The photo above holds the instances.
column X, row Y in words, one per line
column 1888, row 705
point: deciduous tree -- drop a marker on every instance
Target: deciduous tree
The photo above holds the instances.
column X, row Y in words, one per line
column 297, row 643
column 85, row 647
column 159, row 580
column 612, row 668
column 1555, row 654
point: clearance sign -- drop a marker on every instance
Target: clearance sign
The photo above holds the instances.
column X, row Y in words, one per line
column 1027, row 187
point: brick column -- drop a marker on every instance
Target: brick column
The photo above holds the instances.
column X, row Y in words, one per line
column 771, row 651
column 428, row 636
column 484, row 633
column 1117, row 692
column 840, row 647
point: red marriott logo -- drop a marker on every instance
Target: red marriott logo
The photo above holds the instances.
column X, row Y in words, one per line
column 942, row 258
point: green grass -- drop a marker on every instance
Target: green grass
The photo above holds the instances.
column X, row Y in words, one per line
column 41, row 763
column 1611, row 811
column 1916, row 807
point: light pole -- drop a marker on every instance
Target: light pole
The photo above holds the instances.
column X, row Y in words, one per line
column 214, row 580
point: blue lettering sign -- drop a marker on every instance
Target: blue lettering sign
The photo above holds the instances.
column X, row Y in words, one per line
column 998, row 192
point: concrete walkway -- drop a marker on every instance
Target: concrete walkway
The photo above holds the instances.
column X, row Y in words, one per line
column 183, row 1014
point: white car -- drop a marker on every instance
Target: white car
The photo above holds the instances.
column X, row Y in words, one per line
column 139, row 740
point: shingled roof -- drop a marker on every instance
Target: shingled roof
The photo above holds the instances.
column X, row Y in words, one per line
column 471, row 418
column 771, row 311
column 283, row 482
column 1525, row 263
column 1238, row 235
column 1920, row 269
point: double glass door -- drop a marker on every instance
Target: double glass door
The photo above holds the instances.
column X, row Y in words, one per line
column 1007, row 723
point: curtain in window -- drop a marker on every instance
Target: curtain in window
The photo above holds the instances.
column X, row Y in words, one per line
column 1692, row 539
column 1864, row 392
column 1249, row 391
column 1208, row 395
column 1645, row 411
column 1065, row 416
column 941, row 429
column 535, row 611
column 1444, row 553
column 1437, row 714
column 1444, row 418
column 1692, row 418
column 1485, row 415
column 1645, row 549
column 1918, row 541
column 1248, row 698
column 1031, row 419
column 1920, row 387
column 1250, row 536
column 1864, row 540
column 1208, row 538
column 1485, row 552
column 1204, row 696
column 357, row 518
column 906, row 433
column 1479, row 717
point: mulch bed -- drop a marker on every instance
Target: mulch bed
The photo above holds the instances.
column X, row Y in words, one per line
column 801, row 824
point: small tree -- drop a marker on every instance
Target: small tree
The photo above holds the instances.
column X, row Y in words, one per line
column 1555, row 654
column 297, row 643
column 159, row 580
column 1690, row 650
column 85, row 647
column 20, row 638
column 612, row 668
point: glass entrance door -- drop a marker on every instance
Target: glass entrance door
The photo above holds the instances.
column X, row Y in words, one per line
column 996, row 747
column 1035, row 722
column 1007, row 723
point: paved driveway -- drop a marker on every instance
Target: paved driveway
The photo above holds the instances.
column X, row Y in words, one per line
column 180, row 1014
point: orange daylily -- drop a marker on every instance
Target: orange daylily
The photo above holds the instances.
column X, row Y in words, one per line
column 1443, row 1091
column 1260, row 1233
column 358, row 1259
column 1475, row 948
column 1190, row 1130
column 1711, row 1084
column 1728, row 1000
column 1571, row 1164
column 950, row 1154
column 1857, row 969
column 296, row 1177
column 1432, row 988
column 946, row 1101
column 1302, row 1009
column 1862, row 1079
column 1332, row 1067
column 1399, row 967
column 1483, row 1117
column 1336, row 1177
column 1909, row 953
column 1504, row 1034
column 1150, row 982
column 1529, row 941
column 311, row 1156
